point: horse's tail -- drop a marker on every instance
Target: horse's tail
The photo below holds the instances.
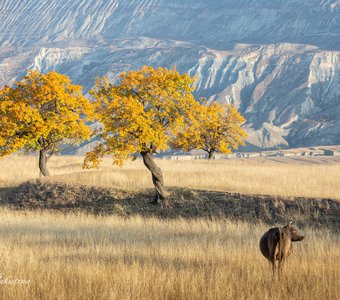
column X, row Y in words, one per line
column 279, row 246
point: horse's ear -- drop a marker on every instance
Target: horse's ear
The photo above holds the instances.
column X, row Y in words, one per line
column 290, row 223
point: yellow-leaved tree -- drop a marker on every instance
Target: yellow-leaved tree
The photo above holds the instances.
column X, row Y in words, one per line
column 41, row 113
column 141, row 114
column 215, row 128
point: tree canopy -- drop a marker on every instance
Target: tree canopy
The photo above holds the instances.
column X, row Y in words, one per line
column 147, row 111
column 40, row 113
column 142, row 113
column 215, row 128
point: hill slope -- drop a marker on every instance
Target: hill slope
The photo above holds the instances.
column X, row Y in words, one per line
column 182, row 203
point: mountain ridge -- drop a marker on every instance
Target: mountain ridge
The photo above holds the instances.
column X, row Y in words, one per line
column 311, row 22
column 278, row 62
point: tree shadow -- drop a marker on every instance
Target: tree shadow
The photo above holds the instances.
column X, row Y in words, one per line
column 180, row 203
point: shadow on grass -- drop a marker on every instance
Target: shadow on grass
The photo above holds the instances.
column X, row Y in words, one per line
column 181, row 203
column 6, row 189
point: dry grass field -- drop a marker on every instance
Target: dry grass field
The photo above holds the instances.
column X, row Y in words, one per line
column 87, row 257
column 320, row 178
column 73, row 255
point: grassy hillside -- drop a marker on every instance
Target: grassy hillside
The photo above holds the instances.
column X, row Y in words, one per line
column 94, row 234
column 181, row 203
column 86, row 257
column 316, row 178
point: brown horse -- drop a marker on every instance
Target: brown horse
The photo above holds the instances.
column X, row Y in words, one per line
column 276, row 244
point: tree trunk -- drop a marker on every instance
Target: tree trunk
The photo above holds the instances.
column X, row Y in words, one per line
column 43, row 163
column 157, row 177
column 211, row 154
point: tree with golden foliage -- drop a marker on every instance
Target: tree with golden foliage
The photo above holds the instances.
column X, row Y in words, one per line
column 40, row 113
column 141, row 114
column 215, row 128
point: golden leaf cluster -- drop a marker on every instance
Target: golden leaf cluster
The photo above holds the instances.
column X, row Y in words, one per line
column 215, row 128
column 148, row 111
column 41, row 112
column 151, row 109
column 141, row 113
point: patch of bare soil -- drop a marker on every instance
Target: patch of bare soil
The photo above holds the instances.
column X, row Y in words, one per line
column 181, row 203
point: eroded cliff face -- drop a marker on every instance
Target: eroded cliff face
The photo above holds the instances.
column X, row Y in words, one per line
column 277, row 61
column 214, row 23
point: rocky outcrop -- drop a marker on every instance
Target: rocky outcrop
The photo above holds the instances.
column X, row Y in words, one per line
column 277, row 61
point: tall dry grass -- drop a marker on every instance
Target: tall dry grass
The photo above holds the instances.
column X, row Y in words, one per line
column 281, row 178
column 87, row 257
